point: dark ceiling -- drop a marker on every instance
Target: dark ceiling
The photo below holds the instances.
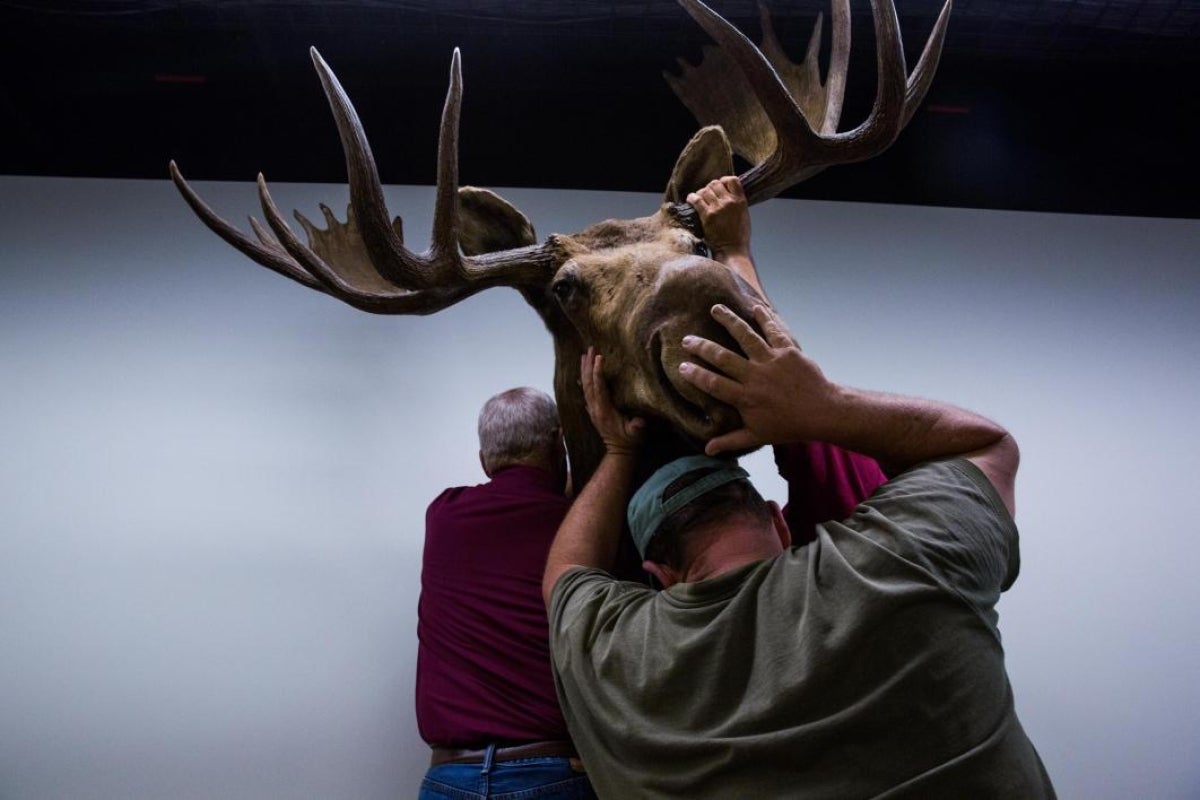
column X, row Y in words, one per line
column 1085, row 106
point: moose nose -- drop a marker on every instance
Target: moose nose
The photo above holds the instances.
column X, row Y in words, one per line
column 687, row 291
column 708, row 416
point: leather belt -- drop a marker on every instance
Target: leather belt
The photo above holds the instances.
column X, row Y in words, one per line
column 451, row 755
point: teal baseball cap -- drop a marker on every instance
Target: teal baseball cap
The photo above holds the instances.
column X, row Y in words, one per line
column 647, row 508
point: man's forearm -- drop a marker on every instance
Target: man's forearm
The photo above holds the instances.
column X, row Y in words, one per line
column 591, row 531
column 900, row 432
column 741, row 262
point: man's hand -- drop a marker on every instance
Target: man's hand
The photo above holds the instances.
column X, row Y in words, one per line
column 781, row 394
column 589, row 533
column 725, row 217
column 621, row 435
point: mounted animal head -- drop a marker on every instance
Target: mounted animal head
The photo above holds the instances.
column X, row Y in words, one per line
column 630, row 288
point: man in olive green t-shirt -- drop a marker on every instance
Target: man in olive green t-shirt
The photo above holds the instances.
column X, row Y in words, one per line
column 865, row 664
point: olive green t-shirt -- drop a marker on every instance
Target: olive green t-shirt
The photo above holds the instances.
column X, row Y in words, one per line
column 865, row 664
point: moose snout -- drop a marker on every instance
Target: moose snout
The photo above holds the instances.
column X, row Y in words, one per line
column 701, row 415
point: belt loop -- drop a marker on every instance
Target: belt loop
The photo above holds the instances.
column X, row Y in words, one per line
column 489, row 758
column 485, row 773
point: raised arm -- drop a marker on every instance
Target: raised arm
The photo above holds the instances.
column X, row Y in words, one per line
column 589, row 534
column 725, row 218
column 824, row 481
column 783, row 396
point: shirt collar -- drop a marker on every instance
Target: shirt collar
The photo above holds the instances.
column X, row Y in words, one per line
column 525, row 475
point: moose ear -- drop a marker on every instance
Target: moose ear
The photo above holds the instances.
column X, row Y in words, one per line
column 707, row 156
column 489, row 223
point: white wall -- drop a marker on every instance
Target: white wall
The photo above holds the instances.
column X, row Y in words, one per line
column 212, row 480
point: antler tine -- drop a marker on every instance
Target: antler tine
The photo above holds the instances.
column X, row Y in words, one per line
column 927, row 64
column 386, row 250
column 516, row 266
column 839, row 64
column 445, row 212
column 263, row 251
column 820, row 101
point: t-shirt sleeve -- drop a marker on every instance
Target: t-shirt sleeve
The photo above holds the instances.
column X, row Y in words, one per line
column 947, row 517
column 585, row 606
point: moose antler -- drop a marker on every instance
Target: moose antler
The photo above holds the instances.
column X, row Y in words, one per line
column 363, row 261
column 779, row 116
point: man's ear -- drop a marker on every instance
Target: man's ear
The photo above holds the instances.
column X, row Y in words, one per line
column 781, row 527
column 483, row 464
column 666, row 575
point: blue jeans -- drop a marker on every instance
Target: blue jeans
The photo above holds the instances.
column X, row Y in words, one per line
column 544, row 778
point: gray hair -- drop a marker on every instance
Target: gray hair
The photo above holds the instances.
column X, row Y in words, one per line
column 518, row 426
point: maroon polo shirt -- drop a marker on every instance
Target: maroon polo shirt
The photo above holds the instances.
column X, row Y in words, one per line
column 483, row 663
column 824, row 483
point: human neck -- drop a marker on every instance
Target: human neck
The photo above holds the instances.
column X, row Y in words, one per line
column 557, row 477
column 728, row 551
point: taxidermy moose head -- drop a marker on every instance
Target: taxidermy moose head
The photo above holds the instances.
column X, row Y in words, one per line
column 630, row 288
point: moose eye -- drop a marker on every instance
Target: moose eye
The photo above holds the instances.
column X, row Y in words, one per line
column 701, row 248
column 563, row 289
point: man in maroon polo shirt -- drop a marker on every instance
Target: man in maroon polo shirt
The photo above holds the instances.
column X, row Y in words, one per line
column 485, row 694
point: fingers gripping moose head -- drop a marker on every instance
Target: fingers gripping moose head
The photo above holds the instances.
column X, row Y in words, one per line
column 629, row 288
